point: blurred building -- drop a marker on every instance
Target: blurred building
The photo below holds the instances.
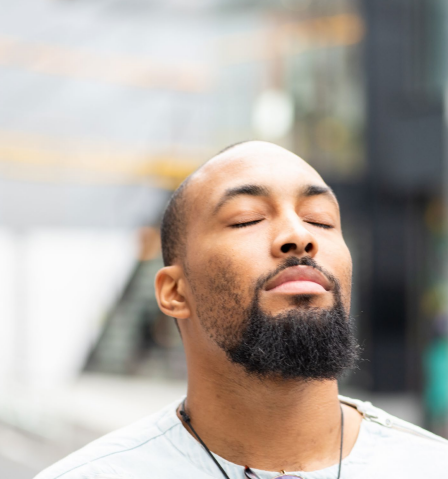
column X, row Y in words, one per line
column 105, row 106
column 405, row 186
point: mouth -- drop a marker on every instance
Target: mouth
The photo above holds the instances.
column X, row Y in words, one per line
column 299, row 280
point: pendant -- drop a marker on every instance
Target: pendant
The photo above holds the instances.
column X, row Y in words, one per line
column 251, row 474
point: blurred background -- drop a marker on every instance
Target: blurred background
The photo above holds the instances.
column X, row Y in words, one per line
column 106, row 105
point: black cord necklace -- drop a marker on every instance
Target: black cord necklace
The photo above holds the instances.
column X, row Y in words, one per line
column 248, row 472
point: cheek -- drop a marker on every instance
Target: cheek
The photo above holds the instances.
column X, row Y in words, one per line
column 336, row 257
column 216, row 278
column 347, row 271
column 239, row 254
column 344, row 274
column 219, row 297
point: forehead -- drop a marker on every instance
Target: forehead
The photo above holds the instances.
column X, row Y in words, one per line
column 255, row 163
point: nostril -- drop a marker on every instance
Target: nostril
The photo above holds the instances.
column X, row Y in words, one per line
column 308, row 248
column 287, row 247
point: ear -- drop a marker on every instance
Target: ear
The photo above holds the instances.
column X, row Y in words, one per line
column 170, row 287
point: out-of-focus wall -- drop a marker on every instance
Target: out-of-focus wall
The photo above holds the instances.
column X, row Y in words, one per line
column 55, row 288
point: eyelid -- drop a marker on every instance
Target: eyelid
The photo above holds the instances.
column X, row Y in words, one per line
column 320, row 225
column 245, row 224
column 319, row 218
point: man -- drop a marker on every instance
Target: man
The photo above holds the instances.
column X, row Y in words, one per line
column 258, row 278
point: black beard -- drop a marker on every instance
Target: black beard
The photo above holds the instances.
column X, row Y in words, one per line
column 303, row 342
column 309, row 344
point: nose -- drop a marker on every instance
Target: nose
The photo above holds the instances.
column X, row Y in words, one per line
column 292, row 236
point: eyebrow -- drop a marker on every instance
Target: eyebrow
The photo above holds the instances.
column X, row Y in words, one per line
column 259, row 190
column 316, row 190
column 250, row 190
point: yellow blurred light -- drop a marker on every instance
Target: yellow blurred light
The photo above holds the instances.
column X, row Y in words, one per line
column 43, row 159
column 134, row 72
column 291, row 38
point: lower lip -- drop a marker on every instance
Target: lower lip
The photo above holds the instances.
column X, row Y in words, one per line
column 299, row 287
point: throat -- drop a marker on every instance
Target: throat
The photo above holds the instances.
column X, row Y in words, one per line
column 283, row 427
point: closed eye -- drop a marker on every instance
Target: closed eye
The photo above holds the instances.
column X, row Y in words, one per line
column 320, row 225
column 244, row 225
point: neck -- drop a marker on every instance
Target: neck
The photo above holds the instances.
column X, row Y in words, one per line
column 267, row 424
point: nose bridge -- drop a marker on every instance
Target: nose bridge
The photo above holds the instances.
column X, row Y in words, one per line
column 293, row 223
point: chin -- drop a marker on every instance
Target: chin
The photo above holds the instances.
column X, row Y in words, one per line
column 308, row 301
column 297, row 302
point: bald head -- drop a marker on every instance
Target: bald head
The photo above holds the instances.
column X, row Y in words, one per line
column 194, row 193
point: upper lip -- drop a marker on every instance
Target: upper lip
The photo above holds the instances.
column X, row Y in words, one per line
column 299, row 273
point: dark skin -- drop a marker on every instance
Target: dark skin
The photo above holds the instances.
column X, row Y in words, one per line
column 271, row 424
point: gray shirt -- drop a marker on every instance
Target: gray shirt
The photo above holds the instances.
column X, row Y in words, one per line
column 159, row 447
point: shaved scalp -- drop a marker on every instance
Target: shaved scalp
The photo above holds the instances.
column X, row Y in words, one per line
column 175, row 218
column 173, row 227
column 233, row 145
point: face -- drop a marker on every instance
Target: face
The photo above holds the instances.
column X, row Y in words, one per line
column 266, row 263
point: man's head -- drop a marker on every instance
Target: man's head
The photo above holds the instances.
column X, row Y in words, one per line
column 257, row 267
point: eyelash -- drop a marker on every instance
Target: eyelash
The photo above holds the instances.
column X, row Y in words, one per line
column 250, row 223
column 320, row 225
column 243, row 225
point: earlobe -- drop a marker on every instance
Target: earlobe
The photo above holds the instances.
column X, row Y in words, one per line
column 167, row 286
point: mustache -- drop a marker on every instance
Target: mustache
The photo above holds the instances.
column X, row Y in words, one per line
column 294, row 261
